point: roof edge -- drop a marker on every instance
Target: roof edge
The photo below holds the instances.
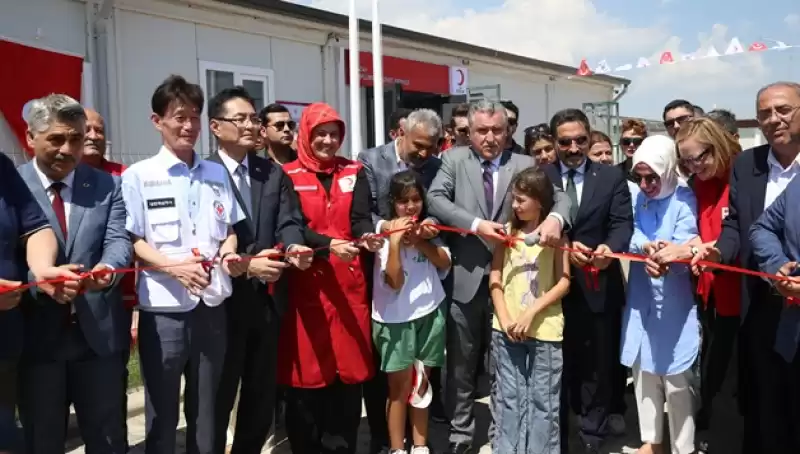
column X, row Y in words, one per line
column 310, row 14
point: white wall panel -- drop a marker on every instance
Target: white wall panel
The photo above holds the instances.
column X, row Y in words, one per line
column 151, row 48
column 233, row 47
column 52, row 24
column 298, row 71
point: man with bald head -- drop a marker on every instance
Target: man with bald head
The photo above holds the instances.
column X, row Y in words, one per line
column 94, row 145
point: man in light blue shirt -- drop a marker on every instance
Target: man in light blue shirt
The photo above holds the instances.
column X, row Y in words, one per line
column 180, row 213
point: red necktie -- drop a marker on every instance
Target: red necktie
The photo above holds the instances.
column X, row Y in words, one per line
column 58, row 206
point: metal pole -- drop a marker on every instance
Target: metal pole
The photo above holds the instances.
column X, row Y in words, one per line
column 355, row 85
column 377, row 75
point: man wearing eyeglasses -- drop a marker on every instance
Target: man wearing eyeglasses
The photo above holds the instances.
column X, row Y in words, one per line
column 513, row 121
column 603, row 223
column 770, row 367
column 676, row 113
column 258, row 299
column 277, row 130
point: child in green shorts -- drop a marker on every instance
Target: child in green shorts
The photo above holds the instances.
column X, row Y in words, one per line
column 408, row 317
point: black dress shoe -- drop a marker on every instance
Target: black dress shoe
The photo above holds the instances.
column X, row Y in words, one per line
column 460, row 448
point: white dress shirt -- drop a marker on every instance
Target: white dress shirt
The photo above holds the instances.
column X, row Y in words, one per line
column 232, row 165
column 779, row 177
column 401, row 165
column 577, row 179
column 66, row 191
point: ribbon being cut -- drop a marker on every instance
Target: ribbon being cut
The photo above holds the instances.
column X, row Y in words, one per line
column 590, row 270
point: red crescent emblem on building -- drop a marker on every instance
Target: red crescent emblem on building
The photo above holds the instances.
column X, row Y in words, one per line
column 757, row 47
column 460, row 77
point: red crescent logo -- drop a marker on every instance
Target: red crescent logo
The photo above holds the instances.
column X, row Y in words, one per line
column 756, row 47
column 460, row 77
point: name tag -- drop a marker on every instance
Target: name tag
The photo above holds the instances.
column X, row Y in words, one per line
column 306, row 188
column 347, row 184
column 154, row 204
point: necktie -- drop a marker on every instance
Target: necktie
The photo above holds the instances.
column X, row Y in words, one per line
column 572, row 193
column 58, row 206
column 488, row 186
column 244, row 188
column 787, row 335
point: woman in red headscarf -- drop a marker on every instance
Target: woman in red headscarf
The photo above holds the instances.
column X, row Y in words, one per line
column 325, row 349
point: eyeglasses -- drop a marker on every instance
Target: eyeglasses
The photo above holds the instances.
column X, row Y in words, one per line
column 281, row 125
column 783, row 112
column 566, row 142
column 677, row 121
column 241, row 121
column 628, row 141
column 649, row 179
column 464, row 130
column 696, row 160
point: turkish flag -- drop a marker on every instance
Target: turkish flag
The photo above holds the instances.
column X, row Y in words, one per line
column 36, row 73
column 757, row 47
column 583, row 69
column 666, row 57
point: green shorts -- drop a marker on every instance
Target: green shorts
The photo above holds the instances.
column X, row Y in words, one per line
column 400, row 344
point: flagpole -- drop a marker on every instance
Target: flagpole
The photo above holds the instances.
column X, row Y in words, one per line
column 355, row 85
column 377, row 75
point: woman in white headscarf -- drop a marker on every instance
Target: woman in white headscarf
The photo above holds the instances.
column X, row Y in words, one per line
column 661, row 333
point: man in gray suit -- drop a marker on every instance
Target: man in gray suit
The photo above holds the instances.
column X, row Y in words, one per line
column 471, row 192
column 414, row 147
column 74, row 353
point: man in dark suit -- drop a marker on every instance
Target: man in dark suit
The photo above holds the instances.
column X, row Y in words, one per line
column 414, row 147
column 75, row 353
column 258, row 300
column 513, row 122
column 768, row 384
column 603, row 222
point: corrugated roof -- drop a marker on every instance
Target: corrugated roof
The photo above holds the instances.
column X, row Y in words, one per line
column 339, row 20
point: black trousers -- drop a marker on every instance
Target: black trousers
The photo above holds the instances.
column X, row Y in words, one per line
column 718, row 351
column 323, row 420
column 772, row 393
column 376, row 392
column 591, row 372
column 250, row 360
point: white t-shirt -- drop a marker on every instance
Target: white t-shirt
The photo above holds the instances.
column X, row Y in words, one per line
column 422, row 290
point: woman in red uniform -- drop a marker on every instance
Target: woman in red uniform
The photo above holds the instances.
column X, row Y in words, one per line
column 325, row 349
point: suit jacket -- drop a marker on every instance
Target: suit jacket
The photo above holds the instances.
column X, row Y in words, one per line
column 275, row 220
column 380, row 164
column 96, row 234
column 605, row 216
column 456, row 198
column 748, row 187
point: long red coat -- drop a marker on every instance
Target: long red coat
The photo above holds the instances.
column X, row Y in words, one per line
column 326, row 329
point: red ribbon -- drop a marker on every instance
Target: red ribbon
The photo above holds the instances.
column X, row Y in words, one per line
column 592, row 272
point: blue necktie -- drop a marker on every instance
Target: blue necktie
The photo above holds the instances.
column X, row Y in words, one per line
column 787, row 335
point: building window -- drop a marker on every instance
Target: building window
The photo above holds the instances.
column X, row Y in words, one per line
column 215, row 77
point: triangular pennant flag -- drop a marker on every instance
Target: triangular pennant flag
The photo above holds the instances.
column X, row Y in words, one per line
column 666, row 57
column 735, row 47
column 712, row 52
column 602, row 67
column 642, row 63
column 757, row 47
column 583, row 69
column 780, row 45
column 687, row 57
column 626, row 67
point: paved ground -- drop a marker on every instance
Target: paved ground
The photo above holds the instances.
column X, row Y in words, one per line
column 729, row 439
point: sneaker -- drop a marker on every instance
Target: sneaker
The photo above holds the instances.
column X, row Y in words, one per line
column 398, row 451
column 416, row 399
column 420, row 450
column 616, row 425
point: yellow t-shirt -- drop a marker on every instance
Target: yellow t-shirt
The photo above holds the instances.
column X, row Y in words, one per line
column 528, row 273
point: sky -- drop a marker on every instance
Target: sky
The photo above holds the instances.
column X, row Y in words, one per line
column 620, row 32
